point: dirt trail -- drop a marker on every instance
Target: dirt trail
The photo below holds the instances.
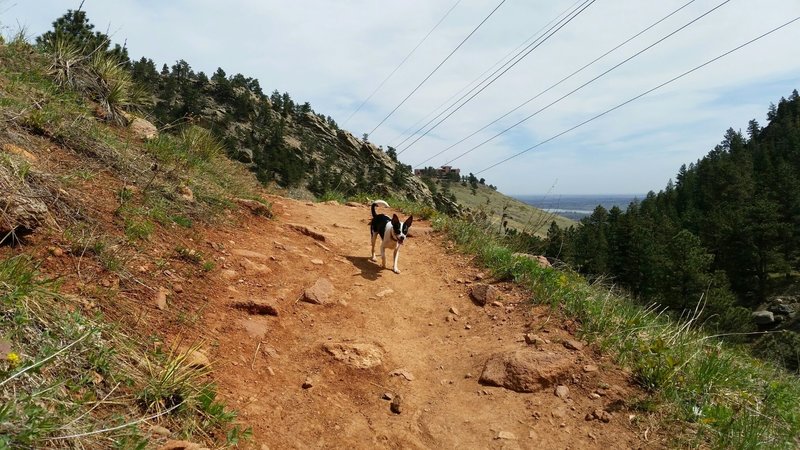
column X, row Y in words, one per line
column 262, row 362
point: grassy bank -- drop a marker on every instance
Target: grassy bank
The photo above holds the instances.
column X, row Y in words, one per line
column 69, row 376
column 72, row 381
column 712, row 393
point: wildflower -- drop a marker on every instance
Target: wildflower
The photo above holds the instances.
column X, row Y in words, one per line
column 13, row 358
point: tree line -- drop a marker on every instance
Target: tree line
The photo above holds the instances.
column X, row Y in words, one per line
column 726, row 232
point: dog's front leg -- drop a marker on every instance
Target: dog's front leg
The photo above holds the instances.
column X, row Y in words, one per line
column 374, row 237
column 396, row 256
column 383, row 253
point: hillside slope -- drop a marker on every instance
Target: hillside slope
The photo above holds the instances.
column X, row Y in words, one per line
column 520, row 215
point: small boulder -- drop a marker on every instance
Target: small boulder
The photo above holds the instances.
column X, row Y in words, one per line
column 534, row 339
column 229, row 274
column 506, row 435
column 143, row 129
column 196, row 359
column 319, row 293
column 525, row 370
column 539, row 259
column 186, row 194
column 360, row 356
column 255, row 207
column 161, row 298
column 248, row 254
column 384, row 293
column 483, row 293
column 314, row 234
column 572, row 344
column 562, row 392
column 260, row 307
column 763, row 317
column 599, row 414
column 396, row 405
column 308, row 383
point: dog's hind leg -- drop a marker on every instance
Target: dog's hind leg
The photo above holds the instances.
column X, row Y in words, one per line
column 374, row 237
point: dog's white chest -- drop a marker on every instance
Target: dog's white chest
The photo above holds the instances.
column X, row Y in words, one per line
column 389, row 242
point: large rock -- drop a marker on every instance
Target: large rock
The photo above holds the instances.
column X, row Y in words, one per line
column 484, row 293
column 526, row 370
column 143, row 129
column 538, row 259
column 360, row 356
column 320, row 293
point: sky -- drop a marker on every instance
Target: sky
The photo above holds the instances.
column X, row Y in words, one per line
column 333, row 54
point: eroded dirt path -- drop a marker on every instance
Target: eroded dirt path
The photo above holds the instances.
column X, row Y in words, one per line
column 403, row 321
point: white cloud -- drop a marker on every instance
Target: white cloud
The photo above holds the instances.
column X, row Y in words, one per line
column 333, row 54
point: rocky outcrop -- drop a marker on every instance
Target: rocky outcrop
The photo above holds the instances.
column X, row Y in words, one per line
column 353, row 157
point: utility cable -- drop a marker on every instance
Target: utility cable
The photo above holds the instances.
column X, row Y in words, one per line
column 528, row 52
column 437, row 67
column 640, row 95
column 526, row 42
column 561, row 80
column 401, row 62
column 591, row 81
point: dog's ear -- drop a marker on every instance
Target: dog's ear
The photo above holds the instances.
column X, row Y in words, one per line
column 409, row 220
column 395, row 220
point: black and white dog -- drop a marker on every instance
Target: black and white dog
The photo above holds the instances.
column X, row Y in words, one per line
column 392, row 232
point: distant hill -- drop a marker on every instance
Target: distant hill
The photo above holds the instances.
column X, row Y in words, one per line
column 520, row 215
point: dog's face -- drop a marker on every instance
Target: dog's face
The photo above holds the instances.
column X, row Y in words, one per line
column 400, row 229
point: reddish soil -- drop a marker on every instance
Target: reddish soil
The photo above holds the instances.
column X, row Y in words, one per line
column 262, row 362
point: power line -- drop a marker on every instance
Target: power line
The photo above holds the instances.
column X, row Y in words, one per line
column 640, row 95
column 591, row 81
column 402, row 62
column 528, row 52
column 479, row 77
column 561, row 80
column 437, row 67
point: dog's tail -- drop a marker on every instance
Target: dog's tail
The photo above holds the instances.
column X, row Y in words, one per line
column 376, row 203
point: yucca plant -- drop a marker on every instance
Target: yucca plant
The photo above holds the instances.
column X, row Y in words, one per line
column 112, row 86
column 66, row 61
column 201, row 144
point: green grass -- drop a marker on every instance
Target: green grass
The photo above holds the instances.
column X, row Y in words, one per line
column 67, row 380
column 716, row 394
